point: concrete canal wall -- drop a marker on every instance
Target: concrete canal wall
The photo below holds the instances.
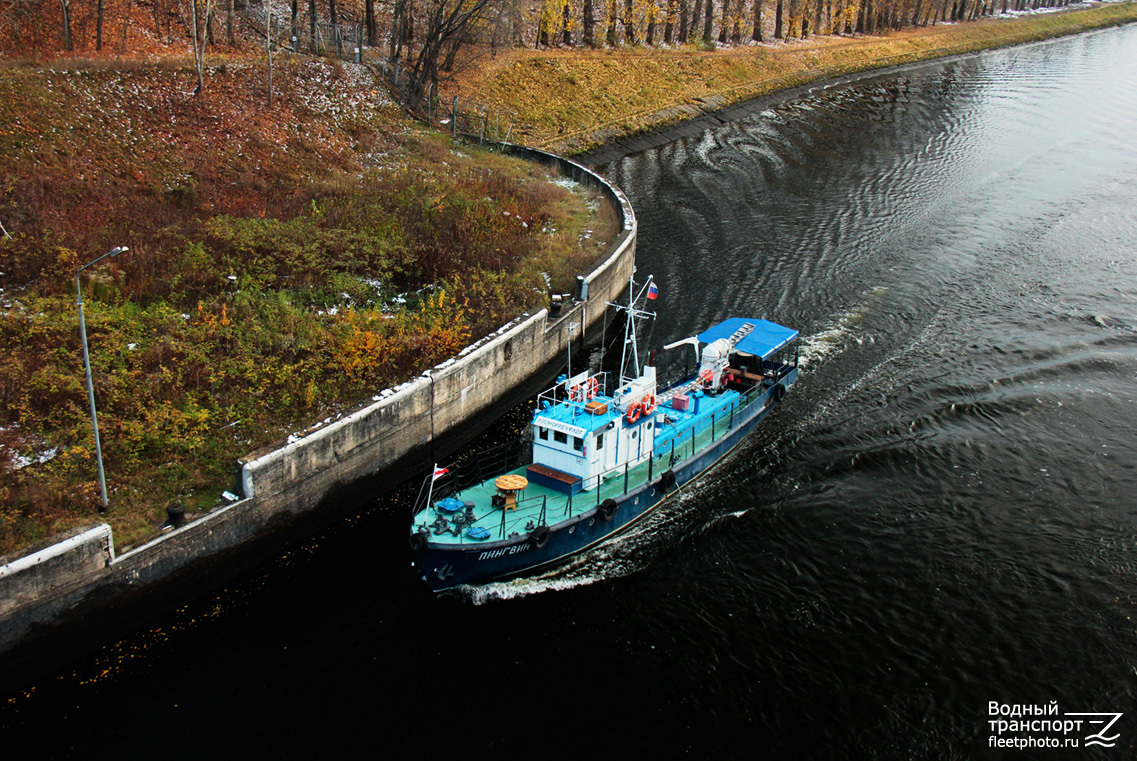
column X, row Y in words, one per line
column 406, row 424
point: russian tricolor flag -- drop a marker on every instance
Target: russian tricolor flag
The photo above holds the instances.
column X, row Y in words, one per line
column 652, row 292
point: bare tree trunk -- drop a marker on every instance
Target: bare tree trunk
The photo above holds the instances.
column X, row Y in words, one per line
column 652, row 8
column 724, row 25
column 445, row 24
column 333, row 17
column 99, row 26
column 669, row 25
column 407, row 33
column 312, row 25
column 709, row 22
column 589, row 38
column 566, row 26
column 629, row 22
column 210, row 37
column 67, row 43
column 199, row 40
column 756, row 35
column 295, row 19
column 684, row 13
column 370, row 23
column 778, row 21
column 157, row 22
column 610, row 36
column 393, row 46
column 268, row 50
column 230, row 33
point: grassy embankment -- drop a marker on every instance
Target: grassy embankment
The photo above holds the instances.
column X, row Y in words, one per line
column 286, row 263
column 572, row 100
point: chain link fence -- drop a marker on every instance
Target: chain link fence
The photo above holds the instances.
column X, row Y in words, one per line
column 458, row 116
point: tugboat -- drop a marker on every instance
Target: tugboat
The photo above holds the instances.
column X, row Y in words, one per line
column 602, row 455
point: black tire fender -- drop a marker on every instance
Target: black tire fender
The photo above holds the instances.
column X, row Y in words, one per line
column 666, row 481
column 539, row 537
column 778, row 392
column 418, row 542
column 607, row 510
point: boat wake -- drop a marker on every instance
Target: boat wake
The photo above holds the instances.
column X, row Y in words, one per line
column 816, row 349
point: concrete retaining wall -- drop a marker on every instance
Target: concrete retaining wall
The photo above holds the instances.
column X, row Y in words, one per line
column 284, row 483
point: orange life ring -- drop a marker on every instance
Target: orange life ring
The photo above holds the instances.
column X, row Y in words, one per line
column 592, row 388
column 634, row 413
column 648, row 403
column 575, row 394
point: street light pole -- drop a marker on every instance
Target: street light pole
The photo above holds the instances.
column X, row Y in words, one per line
column 87, row 365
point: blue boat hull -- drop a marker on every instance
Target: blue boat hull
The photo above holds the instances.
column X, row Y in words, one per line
column 447, row 566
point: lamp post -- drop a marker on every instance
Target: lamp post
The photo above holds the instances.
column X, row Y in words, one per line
column 570, row 331
column 87, row 364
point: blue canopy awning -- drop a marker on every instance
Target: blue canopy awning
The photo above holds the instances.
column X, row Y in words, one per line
column 763, row 340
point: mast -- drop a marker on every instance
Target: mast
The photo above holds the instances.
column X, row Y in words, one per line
column 630, row 338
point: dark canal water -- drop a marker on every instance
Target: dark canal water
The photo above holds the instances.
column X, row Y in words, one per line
column 942, row 515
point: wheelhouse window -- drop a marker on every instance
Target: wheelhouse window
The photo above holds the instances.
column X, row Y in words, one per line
column 599, row 441
column 578, row 443
column 560, row 437
column 542, row 433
